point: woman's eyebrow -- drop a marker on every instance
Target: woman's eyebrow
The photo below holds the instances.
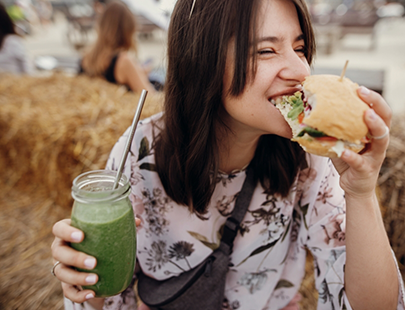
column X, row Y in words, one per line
column 274, row 39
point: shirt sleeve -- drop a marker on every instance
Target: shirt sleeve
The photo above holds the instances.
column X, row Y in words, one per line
column 323, row 208
column 115, row 157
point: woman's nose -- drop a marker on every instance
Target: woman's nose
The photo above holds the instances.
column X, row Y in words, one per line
column 295, row 67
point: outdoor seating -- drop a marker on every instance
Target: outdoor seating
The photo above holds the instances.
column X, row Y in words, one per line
column 332, row 24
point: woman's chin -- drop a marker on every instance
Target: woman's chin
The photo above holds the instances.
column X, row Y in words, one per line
column 286, row 134
column 282, row 129
column 279, row 126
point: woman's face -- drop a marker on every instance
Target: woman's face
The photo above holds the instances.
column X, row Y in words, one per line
column 281, row 67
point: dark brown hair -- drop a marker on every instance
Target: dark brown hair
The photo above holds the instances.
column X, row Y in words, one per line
column 6, row 25
column 186, row 150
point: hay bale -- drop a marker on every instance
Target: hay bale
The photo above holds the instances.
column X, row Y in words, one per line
column 26, row 221
column 54, row 128
column 307, row 290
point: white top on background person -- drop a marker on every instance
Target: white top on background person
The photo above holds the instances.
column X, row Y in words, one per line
column 13, row 57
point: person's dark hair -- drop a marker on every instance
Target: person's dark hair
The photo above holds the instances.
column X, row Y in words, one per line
column 6, row 25
column 186, row 150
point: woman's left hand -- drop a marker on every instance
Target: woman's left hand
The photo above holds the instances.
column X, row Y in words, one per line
column 359, row 172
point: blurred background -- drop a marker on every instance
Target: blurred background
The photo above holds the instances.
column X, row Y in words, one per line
column 55, row 125
column 368, row 33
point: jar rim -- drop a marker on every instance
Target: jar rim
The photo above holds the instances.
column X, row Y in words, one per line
column 96, row 186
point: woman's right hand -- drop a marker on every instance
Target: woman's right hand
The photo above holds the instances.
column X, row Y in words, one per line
column 71, row 279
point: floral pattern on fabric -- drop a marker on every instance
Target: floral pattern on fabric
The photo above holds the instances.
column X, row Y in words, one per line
column 268, row 260
column 156, row 206
column 159, row 254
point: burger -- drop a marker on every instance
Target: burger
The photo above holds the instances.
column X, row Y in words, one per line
column 326, row 117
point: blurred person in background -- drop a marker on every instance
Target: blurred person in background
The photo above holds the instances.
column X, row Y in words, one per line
column 13, row 57
column 109, row 57
column 99, row 6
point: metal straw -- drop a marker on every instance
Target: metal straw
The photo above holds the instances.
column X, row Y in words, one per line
column 130, row 137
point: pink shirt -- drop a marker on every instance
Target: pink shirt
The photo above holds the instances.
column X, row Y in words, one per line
column 268, row 259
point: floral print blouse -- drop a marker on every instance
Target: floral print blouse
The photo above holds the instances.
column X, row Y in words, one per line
column 268, row 259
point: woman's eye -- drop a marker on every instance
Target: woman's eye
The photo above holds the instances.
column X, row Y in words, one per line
column 301, row 50
column 266, row 51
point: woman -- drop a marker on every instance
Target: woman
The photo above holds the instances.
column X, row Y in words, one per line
column 13, row 57
column 227, row 60
column 109, row 57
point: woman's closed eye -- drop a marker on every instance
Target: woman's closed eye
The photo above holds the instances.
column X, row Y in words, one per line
column 266, row 51
column 301, row 50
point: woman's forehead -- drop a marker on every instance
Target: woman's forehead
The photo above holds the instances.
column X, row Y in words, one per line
column 277, row 18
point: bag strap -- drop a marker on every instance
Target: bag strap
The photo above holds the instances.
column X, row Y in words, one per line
column 241, row 205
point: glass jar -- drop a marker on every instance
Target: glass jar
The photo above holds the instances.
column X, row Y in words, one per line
column 107, row 220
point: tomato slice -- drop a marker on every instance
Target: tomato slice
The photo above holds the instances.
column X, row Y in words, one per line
column 301, row 117
column 327, row 139
column 365, row 140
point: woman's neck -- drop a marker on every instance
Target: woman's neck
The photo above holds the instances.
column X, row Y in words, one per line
column 236, row 153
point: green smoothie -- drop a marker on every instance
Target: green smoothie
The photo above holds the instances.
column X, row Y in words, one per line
column 110, row 236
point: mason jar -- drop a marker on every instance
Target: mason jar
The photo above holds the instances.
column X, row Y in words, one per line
column 106, row 217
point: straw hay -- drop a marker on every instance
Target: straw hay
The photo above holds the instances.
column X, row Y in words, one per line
column 26, row 219
column 54, row 128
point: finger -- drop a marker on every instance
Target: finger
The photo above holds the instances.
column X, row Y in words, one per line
column 137, row 221
column 74, row 277
column 74, row 294
column 377, row 128
column 142, row 306
column 70, row 257
column 353, row 159
column 377, row 103
column 64, row 231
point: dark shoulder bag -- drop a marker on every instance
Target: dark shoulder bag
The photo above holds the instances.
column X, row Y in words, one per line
column 202, row 287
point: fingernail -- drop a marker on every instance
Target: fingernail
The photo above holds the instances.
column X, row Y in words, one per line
column 76, row 236
column 371, row 114
column 346, row 154
column 91, row 279
column 89, row 296
column 90, row 263
column 364, row 91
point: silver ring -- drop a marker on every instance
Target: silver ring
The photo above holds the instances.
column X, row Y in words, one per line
column 53, row 268
column 387, row 131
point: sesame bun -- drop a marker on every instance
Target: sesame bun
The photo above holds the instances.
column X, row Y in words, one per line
column 337, row 110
